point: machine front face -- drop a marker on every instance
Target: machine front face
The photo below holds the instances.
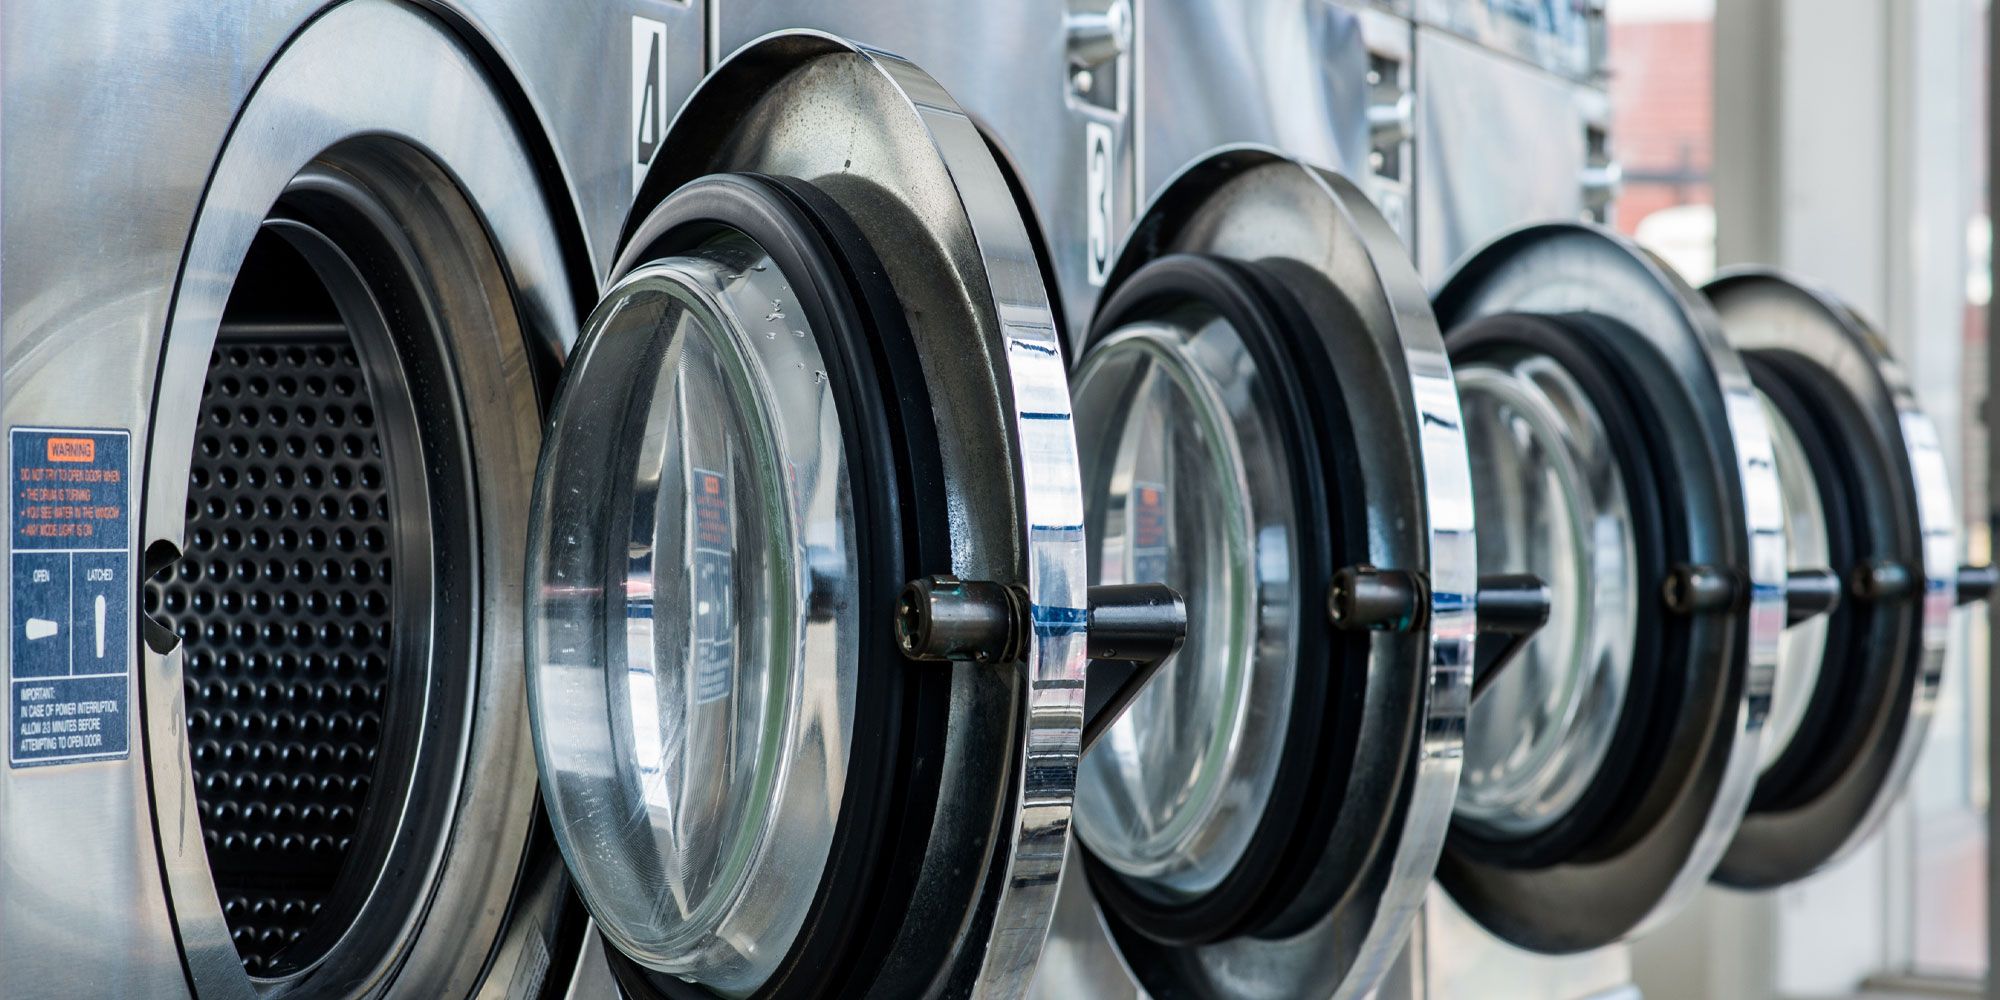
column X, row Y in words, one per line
column 1865, row 497
column 1264, row 820
column 1609, row 762
column 333, row 508
column 822, row 370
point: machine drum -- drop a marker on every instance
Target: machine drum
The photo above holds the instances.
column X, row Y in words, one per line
column 283, row 601
column 282, row 604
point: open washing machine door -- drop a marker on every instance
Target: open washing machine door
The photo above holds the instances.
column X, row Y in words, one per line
column 1619, row 451
column 826, row 367
column 1267, row 423
column 1865, row 494
column 330, row 499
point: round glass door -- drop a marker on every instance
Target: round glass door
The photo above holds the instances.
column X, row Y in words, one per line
column 694, row 632
column 1174, row 419
column 1809, row 543
column 1550, row 500
column 1864, row 497
column 786, row 407
column 1618, row 453
column 1251, row 426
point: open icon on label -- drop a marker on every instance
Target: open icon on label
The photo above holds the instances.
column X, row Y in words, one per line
column 40, row 628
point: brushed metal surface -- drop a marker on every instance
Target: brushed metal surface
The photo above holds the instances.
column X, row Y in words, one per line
column 1007, row 66
column 1290, row 74
column 1476, row 107
column 1565, row 37
column 571, row 59
column 90, row 242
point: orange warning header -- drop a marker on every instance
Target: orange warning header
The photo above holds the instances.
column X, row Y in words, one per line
column 72, row 449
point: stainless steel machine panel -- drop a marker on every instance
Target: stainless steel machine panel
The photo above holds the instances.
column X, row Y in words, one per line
column 1565, row 37
column 571, row 58
column 1049, row 82
column 1476, row 106
column 1290, row 75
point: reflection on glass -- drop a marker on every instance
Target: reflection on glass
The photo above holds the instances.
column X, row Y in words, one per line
column 692, row 618
column 1802, row 647
column 1551, row 501
column 1186, row 484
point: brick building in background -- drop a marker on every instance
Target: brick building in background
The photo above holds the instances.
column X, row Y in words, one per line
column 1662, row 127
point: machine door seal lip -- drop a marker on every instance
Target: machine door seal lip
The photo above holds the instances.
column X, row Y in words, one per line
column 1833, row 356
column 1318, row 745
column 1642, row 874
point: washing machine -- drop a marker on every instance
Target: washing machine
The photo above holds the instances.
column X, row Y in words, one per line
column 320, row 618
column 474, row 537
column 1578, row 358
column 807, row 613
column 285, row 289
column 1266, row 422
column 1864, row 490
column 1668, row 531
column 1619, row 452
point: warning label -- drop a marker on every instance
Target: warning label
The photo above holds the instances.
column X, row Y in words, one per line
column 69, row 609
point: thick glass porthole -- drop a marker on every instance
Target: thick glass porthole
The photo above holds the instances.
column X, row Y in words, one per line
column 1550, row 500
column 1264, row 420
column 1202, row 470
column 1866, row 508
column 1619, row 453
column 1175, row 417
column 694, row 629
column 806, row 616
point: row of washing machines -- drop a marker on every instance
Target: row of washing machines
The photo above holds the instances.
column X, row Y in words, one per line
column 478, row 531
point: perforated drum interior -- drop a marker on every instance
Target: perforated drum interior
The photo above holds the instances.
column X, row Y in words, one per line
column 286, row 602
